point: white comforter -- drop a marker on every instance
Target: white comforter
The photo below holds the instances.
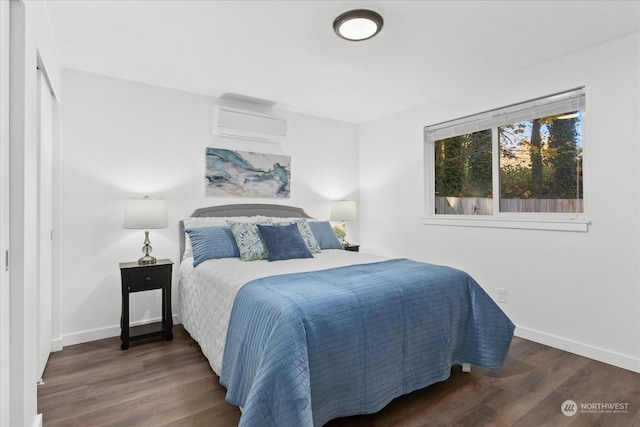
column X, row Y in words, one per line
column 208, row 291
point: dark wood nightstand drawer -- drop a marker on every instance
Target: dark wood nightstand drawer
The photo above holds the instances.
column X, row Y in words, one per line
column 149, row 278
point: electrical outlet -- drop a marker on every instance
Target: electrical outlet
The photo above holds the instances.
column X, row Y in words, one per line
column 502, row 295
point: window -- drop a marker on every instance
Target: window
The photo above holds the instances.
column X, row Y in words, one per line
column 518, row 163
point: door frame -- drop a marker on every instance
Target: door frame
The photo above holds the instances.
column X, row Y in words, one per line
column 5, row 307
column 45, row 221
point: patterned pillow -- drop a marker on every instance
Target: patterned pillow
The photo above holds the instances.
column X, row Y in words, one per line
column 248, row 239
column 305, row 232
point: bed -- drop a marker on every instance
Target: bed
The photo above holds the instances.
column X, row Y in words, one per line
column 323, row 333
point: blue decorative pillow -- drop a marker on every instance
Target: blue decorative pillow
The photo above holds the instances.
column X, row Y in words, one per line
column 248, row 240
column 325, row 235
column 305, row 232
column 284, row 242
column 212, row 243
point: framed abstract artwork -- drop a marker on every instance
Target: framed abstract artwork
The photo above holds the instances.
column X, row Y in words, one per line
column 232, row 173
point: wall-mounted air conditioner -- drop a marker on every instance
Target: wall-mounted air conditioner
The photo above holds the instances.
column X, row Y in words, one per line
column 235, row 123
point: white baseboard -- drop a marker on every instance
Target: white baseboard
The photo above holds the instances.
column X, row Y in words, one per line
column 102, row 333
column 581, row 349
column 38, row 421
column 56, row 344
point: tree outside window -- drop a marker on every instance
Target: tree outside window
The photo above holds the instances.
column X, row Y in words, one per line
column 537, row 168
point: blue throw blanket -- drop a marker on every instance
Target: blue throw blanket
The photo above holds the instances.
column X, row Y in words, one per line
column 305, row 348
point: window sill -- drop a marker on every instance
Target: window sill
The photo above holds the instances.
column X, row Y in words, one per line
column 549, row 224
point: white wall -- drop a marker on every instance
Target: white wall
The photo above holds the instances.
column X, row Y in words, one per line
column 122, row 139
column 576, row 291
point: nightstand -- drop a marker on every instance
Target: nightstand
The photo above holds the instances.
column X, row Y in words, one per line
column 137, row 278
column 352, row 248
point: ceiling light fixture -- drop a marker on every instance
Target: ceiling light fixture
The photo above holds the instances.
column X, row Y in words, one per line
column 357, row 25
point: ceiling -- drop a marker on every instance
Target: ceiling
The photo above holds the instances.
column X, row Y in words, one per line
column 286, row 51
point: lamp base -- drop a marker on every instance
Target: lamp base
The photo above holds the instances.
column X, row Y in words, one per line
column 147, row 259
column 146, row 250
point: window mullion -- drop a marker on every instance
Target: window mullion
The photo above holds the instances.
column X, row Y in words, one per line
column 430, row 161
column 495, row 171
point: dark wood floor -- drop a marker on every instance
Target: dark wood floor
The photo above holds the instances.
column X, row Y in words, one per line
column 159, row 383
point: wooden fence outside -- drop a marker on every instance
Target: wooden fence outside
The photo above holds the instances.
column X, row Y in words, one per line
column 484, row 206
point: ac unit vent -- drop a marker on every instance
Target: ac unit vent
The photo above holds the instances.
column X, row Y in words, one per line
column 234, row 123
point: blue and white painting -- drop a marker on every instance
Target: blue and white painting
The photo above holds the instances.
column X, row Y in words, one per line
column 245, row 174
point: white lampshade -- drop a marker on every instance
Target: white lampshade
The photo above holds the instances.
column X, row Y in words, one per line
column 343, row 210
column 145, row 214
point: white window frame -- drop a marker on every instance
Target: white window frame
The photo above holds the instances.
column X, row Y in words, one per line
column 566, row 101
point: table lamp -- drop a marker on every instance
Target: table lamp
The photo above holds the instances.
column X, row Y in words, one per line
column 145, row 214
column 343, row 210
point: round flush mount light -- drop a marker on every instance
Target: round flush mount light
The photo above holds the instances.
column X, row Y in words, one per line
column 358, row 25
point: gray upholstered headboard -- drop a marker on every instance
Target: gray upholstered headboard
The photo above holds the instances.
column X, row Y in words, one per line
column 248, row 209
